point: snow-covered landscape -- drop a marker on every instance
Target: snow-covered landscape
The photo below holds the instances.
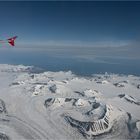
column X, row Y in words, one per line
column 64, row 106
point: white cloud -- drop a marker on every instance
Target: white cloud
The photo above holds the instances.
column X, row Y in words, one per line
column 86, row 50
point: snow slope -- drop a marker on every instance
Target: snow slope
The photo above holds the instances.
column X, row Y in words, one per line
column 61, row 105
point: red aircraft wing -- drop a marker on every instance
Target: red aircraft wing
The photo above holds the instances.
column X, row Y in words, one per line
column 11, row 41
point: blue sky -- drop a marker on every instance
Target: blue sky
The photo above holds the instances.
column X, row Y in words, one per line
column 84, row 29
column 70, row 21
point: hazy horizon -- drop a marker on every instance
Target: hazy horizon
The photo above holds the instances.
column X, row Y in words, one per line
column 93, row 36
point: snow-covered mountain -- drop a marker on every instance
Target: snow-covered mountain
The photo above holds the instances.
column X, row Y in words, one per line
column 61, row 105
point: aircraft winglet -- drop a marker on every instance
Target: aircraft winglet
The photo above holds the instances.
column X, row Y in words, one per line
column 11, row 41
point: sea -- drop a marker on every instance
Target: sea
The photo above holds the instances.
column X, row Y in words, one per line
column 78, row 65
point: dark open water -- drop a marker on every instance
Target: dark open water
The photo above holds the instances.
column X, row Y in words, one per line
column 84, row 67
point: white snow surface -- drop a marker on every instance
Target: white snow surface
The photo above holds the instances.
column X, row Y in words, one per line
column 64, row 106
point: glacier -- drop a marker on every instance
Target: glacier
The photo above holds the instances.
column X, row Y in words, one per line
column 61, row 105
